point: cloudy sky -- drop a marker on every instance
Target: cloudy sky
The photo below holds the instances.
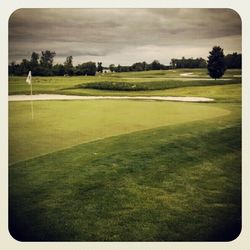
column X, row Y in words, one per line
column 123, row 36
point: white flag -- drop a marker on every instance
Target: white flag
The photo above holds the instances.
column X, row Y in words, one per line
column 28, row 80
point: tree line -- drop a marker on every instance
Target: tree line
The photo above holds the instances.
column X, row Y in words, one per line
column 232, row 61
column 139, row 66
column 42, row 65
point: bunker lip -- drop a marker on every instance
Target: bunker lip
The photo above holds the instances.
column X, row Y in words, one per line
column 188, row 74
column 193, row 77
column 46, row 97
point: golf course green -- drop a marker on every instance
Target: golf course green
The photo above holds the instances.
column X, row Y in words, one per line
column 126, row 170
column 60, row 124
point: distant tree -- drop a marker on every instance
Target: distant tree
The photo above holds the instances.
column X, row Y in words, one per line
column 138, row 66
column 216, row 63
column 118, row 68
column 112, row 67
column 233, row 61
column 148, row 66
column 46, row 63
column 88, row 68
column 47, row 58
column 12, row 68
column 99, row 67
column 156, row 65
column 125, row 69
column 34, row 63
column 25, row 67
column 173, row 63
column 188, row 63
column 68, row 66
column 202, row 63
column 58, row 70
column 34, row 59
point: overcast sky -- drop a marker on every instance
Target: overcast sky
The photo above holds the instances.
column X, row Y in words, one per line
column 123, row 36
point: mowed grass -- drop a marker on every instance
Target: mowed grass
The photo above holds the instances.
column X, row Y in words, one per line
column 60, row 124
column 175, row 183
column 123, row 82
column 141, row 170
column 221, row 93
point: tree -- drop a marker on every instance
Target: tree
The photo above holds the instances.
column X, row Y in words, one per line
column 46, row 63
column 58, row 70
column 112, row 67
column 68, row 66
column 34, row 63
column 99, row 67
column 12, row 68
column 47, row 58
column 119, row 68
column 138, row 66
column 216, row 63
column 233, row 61
column 188, row 63
column 144, row 65
column 34, row 59
column 156, row 65
column 88, row 68
column 24, row 67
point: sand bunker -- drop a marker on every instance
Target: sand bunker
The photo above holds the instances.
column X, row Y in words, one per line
column 189, row 74
column 43, row 97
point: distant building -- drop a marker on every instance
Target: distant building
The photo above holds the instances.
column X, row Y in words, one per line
column 104, row 71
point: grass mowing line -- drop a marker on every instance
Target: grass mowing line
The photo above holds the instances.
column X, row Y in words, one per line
column 74, row 122
column 182, row 184
column 98, row 139
column 62, row 149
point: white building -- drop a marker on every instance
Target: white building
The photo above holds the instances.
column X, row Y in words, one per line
column 104, row 71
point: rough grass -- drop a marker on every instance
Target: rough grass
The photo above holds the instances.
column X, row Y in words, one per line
column 155, row 85
column 132, row 81
column 221, row 93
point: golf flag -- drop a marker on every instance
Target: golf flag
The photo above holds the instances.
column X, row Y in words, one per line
column 28, row 80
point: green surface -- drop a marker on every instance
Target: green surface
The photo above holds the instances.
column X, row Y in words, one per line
column 60, row 124
column 164, row 171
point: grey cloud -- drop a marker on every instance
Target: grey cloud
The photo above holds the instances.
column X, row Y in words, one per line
column 105, row 32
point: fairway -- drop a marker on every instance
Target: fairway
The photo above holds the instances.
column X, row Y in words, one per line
column 109, row 84
column 60, row 124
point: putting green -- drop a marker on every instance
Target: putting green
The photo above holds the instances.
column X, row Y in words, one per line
column 61, row 124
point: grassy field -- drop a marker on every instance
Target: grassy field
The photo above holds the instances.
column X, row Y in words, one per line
column 128, row 83
column 126, row 170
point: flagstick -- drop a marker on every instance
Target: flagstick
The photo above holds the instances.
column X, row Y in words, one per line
column 31, row 102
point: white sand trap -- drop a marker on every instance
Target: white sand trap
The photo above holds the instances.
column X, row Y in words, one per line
column 189, row 74
column 43, row 97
